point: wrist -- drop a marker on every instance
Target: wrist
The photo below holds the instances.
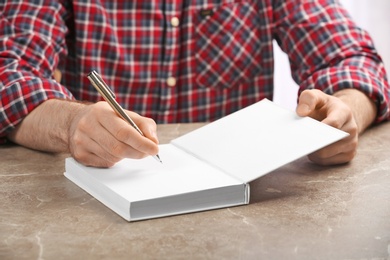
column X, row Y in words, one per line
column 362, row 107
column 46, row 128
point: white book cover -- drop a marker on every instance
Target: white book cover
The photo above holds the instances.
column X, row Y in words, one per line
column 208, row 168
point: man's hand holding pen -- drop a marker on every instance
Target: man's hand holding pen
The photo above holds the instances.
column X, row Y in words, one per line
column 99, row 137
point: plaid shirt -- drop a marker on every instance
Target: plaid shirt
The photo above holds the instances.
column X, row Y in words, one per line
column 179, row 61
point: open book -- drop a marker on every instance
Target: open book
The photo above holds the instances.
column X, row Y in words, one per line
column 208, row 168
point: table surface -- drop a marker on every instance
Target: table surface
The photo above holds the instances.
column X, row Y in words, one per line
column 300, row 211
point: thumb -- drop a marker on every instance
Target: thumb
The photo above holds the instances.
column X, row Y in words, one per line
column 310, row 102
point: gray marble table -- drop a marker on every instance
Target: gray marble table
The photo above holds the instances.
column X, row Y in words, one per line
column 300, row 211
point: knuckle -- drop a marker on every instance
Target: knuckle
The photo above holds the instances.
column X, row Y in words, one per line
column 354, row 130
column 117, row 149
column 77, row 140
column 147, row 123
column 108, row 160
column 138, row 146
column 122, row 134
column 314, row 158
column 151, row 121
column 105, row 164
column 142, row 148
column 96, row 162
column 334, row 122
column 81, row 157
column 83, row 125
column 323, row 153
column 139, row 156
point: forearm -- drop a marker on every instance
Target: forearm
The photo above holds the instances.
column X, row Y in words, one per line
column 363, row 108
column 46, row 128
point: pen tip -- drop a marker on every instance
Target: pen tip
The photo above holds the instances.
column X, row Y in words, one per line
column 158, row 158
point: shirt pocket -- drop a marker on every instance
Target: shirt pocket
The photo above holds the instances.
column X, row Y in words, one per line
column 227, row 45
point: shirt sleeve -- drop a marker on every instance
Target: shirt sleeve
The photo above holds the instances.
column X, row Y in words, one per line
column 327, row 51
column 31, row 43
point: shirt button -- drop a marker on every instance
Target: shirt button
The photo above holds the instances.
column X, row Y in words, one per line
column 171, row 81
column 175, row 21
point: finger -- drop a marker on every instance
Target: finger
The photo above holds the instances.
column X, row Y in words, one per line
column 114, row 135
column 92, row 154
column 125, row 133
column 89, row 137
column 311, row 103
column 336, row 118
column 147, row 125
column 340, row 152
column 87, row 147
column 93, row 160
column 325, row 108
column 113, row 149
column 340, row 158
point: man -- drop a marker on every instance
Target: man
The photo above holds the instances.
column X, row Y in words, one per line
column 177, row 61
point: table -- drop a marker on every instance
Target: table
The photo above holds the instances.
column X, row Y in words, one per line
column 300, row 211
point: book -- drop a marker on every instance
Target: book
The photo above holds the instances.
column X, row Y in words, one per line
column 208, row 168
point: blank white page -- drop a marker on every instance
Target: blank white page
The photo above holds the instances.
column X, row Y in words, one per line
column 258, row 139
column 144, row 179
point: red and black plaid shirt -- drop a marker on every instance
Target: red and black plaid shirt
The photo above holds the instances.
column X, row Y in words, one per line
column 179, row 61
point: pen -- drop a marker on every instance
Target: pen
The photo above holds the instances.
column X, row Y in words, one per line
column 109, row 96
